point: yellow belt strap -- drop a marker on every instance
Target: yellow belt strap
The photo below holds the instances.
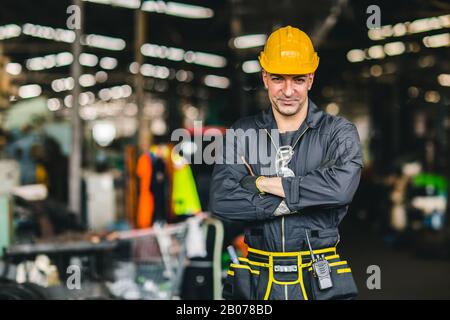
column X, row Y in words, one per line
column 269, row 284
column 291, row 254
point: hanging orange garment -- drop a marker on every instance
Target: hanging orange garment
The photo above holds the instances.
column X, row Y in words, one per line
column 131, row 189
column 146, row 203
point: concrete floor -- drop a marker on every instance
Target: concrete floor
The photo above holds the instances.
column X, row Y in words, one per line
column 404, row 275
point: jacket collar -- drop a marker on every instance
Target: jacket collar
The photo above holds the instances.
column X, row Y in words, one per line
column 266, row 120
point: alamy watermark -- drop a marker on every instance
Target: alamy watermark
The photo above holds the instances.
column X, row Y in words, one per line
column 73, row 22
column 374, row 280
column 73, row 282
column 374, row 20
column 235, row 146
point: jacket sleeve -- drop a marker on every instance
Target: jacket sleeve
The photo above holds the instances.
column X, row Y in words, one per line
column 230, row 201
column 335, row 182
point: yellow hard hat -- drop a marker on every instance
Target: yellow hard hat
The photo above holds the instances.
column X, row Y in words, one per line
column 289, row 51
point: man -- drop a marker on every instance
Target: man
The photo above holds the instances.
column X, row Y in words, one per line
column 293, row 206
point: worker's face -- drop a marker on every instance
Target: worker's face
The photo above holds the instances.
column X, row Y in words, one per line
column 288, row 93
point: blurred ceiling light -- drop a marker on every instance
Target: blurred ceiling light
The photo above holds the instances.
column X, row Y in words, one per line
column 88, row 113
column 178, row 9
column 30, row 91
column 158, row 127
column 217, row 81
column 192, row 113
column 87, row 80
column 181, row 75
column 134, row 67
column 91, row 96
column 210, row 60
column 380, row 33
column 57, row 85
column 53, row 104
column 189, row 56
column 413, row 92
column 355, row 55
column 131, row 4
column 68, row 101
column 155, row 109
column 184, row 76
column 64, row 59
column 394, row 48
column 160, row 72
column 101, row 76
column 99, row 1
column 177, row 54
column 147, row 70
column 88, row 60
column 188, row 148
column 438, row 40
column 9, row 31
column 188, row 11
column 387, row 31
column 49, row 61
column 126, row 91
column 104, row 94
column 13, row 68
column 116, row 92
column 104, row 133
column 423, row 25
column 444, row 80
column 426, row 61
column 48, row 33
column 400, row 30
column 251, row 66
column 62, row 84
column 432, row 96
column 131, row 109
column 375, row 34
column 162, row 52
column 332, row 108
column 190, row 76
column 376, row 52
column 93, row 40
column 105, row 42
column 249, row 41
column 108, row 63
column 410, row 27
column 83, row 98
column 376, row 70
column 445, row 21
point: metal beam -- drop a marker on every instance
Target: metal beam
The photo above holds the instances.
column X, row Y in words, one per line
column 140, row 27
column 75, row 155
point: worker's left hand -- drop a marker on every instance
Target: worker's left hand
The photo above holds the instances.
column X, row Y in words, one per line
column 249, row 183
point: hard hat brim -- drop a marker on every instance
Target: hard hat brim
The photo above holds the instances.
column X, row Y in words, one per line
column 297, row 68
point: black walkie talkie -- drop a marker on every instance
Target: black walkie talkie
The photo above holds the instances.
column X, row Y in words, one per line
column 321, row 268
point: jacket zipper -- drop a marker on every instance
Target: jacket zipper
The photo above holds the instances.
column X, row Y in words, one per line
column 282, row 218
column 282, row 241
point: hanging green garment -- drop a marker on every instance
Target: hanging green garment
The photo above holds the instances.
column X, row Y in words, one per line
column 438, row 182
column 185, row 198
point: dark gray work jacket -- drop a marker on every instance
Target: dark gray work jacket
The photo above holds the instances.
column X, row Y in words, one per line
column 327, row 163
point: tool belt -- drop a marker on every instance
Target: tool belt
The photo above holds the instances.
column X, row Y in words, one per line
column 264, row 275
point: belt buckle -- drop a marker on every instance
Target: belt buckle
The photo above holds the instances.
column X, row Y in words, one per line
column 289, row 268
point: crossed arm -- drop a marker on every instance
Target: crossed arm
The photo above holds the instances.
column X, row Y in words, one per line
column 332, row 184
